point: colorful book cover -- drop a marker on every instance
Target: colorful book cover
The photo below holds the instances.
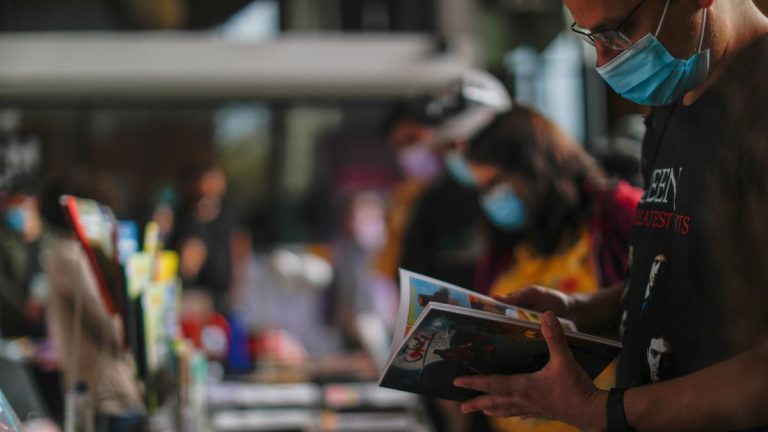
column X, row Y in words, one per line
column 451, row 340
column 417, row 291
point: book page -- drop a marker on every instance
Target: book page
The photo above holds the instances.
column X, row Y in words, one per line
column 417, row 291
column 449, row 340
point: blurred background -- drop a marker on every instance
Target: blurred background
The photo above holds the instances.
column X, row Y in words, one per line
column 258, row 136
column 289, row 96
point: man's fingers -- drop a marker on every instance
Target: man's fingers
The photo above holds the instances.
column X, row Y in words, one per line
column 555, row 337
column 499, row 405
column 524, row 298
column 502, row 385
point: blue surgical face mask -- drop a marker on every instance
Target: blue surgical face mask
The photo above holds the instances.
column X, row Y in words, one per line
column 16, row 218
column 647, row 74
column 504, row 208
column 459, row 170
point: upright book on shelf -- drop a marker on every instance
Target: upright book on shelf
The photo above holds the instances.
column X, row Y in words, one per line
column 444, row 331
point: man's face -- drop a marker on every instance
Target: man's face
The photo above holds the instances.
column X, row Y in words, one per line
column 679, row 34
column 658, row 349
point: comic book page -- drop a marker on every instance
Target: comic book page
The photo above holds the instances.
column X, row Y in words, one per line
column 449, row 340
column 417, row 291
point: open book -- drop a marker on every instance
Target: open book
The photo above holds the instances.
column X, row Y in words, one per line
column 444, row 331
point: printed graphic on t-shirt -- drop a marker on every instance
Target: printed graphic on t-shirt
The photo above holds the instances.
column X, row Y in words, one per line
column 663, row 189
column 625, row 313
column 663, row 186
column 623, row 325
column 656, row 268
column 659, row 355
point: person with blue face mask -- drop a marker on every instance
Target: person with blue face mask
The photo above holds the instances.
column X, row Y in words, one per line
column 647, row 74
column 22, row 287
column 701, row 66
column 445, row 231
column 572, row 222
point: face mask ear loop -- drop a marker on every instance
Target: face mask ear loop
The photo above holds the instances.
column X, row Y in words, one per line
column 703, row 27
column 661, row 22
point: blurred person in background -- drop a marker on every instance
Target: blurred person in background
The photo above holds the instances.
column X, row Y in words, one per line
column 701, row 64
column 363, row 302
column 445, row 233
column 87, row 339
column 411, row 134
column 278, row 297
column 206, row 223
column 23, row 289
column 164, row 213
column 24, row 242
column 573, row 220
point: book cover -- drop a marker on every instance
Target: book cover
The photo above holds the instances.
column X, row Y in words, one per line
column 417, row 291
column 451, row 338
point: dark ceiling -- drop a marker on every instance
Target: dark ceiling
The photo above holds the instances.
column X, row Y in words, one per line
column 121, row 15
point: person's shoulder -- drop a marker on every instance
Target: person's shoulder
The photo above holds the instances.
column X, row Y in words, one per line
column 65, row 250
column 64, row 258
column 745, row 76
column 758, row 46
column 626, row 195
column 617, row 193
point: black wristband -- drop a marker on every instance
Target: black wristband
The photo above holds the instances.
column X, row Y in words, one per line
column 617, row 419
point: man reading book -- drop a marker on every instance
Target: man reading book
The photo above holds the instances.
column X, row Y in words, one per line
column 679, row 370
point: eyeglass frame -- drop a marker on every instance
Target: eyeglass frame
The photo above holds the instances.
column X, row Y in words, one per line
column 590, row 37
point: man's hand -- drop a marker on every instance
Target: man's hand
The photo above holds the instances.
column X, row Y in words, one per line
column 560, row 391
column 541, row 299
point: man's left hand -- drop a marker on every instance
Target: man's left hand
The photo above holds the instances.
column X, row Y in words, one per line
column 560, row 391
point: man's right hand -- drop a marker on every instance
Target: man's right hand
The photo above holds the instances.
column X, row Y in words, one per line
column 542, row 299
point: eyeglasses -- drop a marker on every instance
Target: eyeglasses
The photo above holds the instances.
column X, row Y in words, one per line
column 612, row 38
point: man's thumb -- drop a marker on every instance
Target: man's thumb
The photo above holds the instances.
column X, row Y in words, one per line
column 555, row 337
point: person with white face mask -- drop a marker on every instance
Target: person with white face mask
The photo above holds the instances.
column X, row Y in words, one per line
column 446, row 233
column 572, row 220
column 700, row 65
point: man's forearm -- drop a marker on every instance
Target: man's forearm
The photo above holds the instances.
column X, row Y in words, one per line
column 598, row 312
column 727, row 396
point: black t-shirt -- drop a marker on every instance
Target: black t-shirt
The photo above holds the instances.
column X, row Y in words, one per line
column 670, row 325
column 674, row 319
column 443, row 238
column 215, row 275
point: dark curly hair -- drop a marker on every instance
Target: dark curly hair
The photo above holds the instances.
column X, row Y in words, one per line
column 558, row 171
